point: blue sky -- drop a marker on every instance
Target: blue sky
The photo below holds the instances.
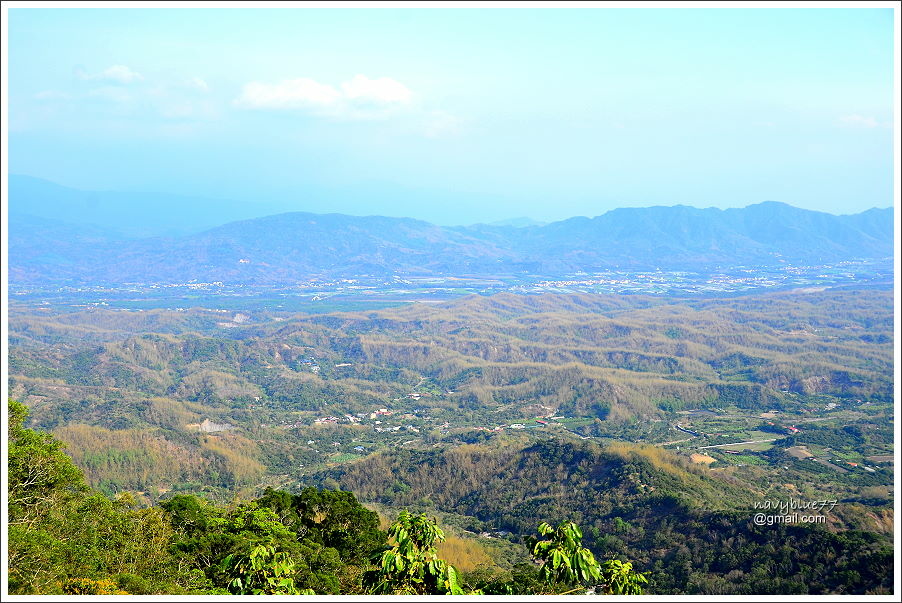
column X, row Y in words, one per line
column 459, row 115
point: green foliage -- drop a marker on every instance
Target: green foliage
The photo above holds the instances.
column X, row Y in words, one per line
column 330, row 518
column 64, row 537
column 328, row 536
column 208, row 534
column 566, row 563
column 42, row 479
column 85, row 586
column 564, row 559
column 522, row 580
column 260, row 571
column 188, row 513
column 411, row 566
column 618, row 578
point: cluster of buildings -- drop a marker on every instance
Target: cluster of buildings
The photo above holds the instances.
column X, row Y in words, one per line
column 310, row 362
column 348, row 418
column 326, row 421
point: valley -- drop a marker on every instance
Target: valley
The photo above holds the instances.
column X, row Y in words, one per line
column 321, row 295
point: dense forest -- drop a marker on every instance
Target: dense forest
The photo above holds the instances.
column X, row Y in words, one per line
column 694, row 533
column 65, row 538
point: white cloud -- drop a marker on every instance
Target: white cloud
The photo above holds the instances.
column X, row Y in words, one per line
column 859, row 121
column 381, row 90
column 359, row 98
column 301, row 93
column 117, row 73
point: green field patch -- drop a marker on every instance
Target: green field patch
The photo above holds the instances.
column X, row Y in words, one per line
column 742, row 459
column 573, row 421
column 848, row 455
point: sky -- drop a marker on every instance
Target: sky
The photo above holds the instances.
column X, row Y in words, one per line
column 463, row 115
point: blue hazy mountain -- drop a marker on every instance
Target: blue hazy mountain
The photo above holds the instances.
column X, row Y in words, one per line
column 517, row 222
column 80, row 243
column 127, row 213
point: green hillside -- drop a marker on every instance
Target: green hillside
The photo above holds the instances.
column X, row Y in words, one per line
column 694, row 532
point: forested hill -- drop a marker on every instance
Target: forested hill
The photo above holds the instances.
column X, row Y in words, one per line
column 285, row 248
column 692, row 530
column 65, row 538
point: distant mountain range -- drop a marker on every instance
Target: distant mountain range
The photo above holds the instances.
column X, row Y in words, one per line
column 128, row 214
column 79, row 244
